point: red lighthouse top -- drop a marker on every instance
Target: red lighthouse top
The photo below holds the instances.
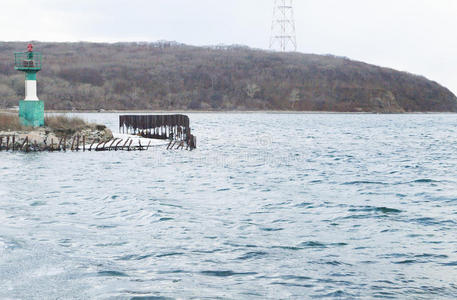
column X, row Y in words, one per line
column 30, row 47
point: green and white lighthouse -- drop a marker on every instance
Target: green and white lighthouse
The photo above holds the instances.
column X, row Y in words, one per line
column 31, row 109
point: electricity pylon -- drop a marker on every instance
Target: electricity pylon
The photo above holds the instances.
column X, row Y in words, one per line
column 283, row 35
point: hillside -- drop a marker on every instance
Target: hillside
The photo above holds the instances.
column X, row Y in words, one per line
column 86, row 76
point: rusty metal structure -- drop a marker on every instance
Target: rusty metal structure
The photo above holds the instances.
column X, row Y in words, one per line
column 175, row 128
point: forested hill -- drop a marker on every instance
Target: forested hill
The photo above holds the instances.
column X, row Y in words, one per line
column 166, row 76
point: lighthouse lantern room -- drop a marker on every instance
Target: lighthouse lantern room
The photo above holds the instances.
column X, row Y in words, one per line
column 31, row 109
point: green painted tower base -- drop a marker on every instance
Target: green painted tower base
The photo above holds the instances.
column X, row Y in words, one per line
column 31, row 113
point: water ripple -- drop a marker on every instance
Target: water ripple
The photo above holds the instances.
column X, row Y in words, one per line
column 295, row 206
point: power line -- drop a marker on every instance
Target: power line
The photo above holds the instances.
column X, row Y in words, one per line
column 283, row 36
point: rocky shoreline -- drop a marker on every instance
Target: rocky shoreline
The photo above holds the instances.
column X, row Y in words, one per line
column 45, row 138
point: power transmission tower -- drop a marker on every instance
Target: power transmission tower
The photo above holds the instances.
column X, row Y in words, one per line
column 283, row 35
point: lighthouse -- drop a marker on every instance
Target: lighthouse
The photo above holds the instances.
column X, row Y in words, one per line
column 31, row 109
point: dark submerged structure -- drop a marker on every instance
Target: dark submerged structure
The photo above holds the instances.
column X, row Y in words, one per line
column 175, row 128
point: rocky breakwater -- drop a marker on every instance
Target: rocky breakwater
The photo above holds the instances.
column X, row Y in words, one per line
column 60, row 133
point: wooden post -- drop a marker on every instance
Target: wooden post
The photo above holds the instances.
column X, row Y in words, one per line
column 73, row 143
column 104, row 145
column 1, row 142
column 24, row 142
column 77, row 143
column 131, row 141
column 14, row 141
column 169, row 144
column 84, row 143
column 60, row 144
column 7, row 143
column 115, row 147
column 96, row 148
column 111, row 145
column 125, row 143
column 90, row 148
column 64, row 143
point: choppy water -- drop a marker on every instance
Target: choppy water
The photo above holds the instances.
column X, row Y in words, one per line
column 271, row 206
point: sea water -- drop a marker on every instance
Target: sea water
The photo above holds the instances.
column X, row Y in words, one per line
column 270, row 206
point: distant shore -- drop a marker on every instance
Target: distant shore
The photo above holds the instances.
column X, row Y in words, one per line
column 230, row 112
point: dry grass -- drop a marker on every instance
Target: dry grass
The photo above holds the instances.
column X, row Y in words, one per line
column 62, row 124
column 66, row 123
column 10, row 122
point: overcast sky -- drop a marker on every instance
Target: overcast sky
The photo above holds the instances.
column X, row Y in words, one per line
column 418, row 36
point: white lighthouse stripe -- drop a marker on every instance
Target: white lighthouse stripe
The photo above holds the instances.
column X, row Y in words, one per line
column 31, row 90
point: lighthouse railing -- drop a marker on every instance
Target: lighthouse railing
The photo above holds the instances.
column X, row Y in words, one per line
column 27, row 61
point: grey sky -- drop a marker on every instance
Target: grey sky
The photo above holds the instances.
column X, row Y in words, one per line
column 418, row 36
